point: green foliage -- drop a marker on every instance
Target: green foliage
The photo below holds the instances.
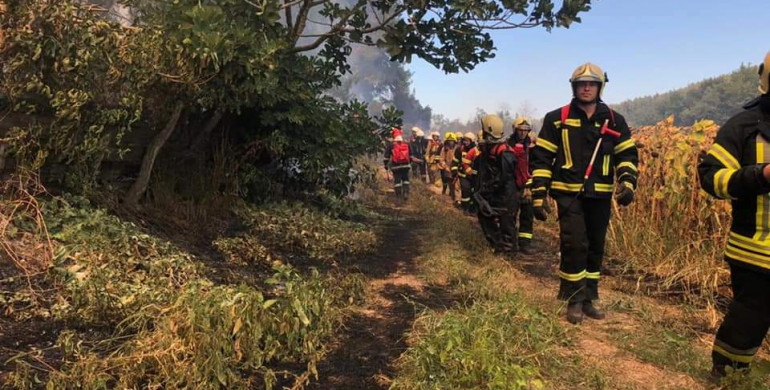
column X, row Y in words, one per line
column 168, row 325
column 492, row 344
column 298, row 229
column 62, row 64
column 717, row 99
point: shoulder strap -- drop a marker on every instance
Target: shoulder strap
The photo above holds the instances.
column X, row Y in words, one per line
column 565, row 113
column 612, row 116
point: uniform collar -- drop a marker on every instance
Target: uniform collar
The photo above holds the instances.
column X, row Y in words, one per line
column 602, row 111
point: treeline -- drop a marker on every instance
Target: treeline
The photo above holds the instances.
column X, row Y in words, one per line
column 716, row 98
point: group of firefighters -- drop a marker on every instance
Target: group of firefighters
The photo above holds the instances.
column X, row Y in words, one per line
column 583, row 156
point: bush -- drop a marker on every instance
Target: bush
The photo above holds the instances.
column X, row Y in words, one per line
column 494, row 344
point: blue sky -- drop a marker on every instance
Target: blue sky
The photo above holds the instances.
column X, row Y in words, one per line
column 645, row 46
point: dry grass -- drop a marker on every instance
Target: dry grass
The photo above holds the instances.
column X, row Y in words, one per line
column 671, row 239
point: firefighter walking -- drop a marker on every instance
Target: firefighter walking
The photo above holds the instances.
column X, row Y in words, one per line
column 397, row 160
column 433, row 154
column 582, row 150
column 521, row 144
column 495, row 192
column 418, row 148
column 466, row 188
column 737, row 167
column 446, row 157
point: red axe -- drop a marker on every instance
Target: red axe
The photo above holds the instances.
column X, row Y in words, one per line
column 604, row 131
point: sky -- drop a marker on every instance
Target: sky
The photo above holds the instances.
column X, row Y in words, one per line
column 645, row 46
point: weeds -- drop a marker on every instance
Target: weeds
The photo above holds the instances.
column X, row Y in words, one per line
column 683, row 254
column 140, row 313
column 500, row 344
column 301, row 230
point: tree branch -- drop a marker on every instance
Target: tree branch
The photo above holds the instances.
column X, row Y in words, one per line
column 299, row 25
column 287, row 13
column 148, row 160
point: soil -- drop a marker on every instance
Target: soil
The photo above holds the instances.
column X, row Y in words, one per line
column 373, row 337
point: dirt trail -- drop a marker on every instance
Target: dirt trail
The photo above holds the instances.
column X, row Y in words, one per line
column 374, row 335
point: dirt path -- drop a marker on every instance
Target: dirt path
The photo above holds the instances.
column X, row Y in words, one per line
column 374, row 334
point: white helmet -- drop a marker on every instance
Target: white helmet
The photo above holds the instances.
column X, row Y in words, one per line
column 417, row 132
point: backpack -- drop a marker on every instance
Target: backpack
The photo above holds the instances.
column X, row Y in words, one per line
column 400, row 153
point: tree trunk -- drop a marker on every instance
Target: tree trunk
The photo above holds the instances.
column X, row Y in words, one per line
column 148, row 161
column 206, row 131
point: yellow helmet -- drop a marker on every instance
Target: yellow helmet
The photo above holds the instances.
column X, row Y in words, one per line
column 589, row 72
column 492, row 126
column 417, row 132
column 764, row 76
column 480, row 137
column 521, row 123
column 469, row 135
column 458, row 135
column 450, row 136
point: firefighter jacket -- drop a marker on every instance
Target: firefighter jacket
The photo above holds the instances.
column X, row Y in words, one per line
column 732, row 169
column 523, row 168
column 446, row 157
column 496, row 178
column 434, row 151
column 469, row 164
column 395, row 166
column 460, row 152
column 418, row 148
column 563, row 152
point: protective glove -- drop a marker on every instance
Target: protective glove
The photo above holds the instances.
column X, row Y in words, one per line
column 526, row 196
column 541, row 209
column 625, row 195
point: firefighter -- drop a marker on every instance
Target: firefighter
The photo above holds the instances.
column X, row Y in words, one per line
column 397, row 160
column 521, row 144
column 417, row 148
column 737, row 167
column 445, row 164
column 468, row 143
column 495, row 192
column 583, row 149
column 469, row 165
column 433, row 154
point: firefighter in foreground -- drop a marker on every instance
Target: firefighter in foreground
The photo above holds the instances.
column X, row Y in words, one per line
column 433, row 154
column 582, row 149
column 737, row 167
column 521, row 144
column 397, row 160
column 495, row 192
column 466, row 188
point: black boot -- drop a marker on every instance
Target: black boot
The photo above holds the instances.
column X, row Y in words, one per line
column 575, row 312
column 525, row 247
column 591, row 311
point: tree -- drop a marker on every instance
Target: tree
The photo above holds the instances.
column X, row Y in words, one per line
column 452, row 36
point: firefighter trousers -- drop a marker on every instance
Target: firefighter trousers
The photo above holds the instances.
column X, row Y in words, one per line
column 420, row 171
column 500, row 231
column 466, row 190
column 583, row 226
column 401, row 181
column 448, row 184
column 433, row 173
column 747, row 319
column 526, row 221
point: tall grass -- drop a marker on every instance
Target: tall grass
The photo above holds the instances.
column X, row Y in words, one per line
column 671, row 239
